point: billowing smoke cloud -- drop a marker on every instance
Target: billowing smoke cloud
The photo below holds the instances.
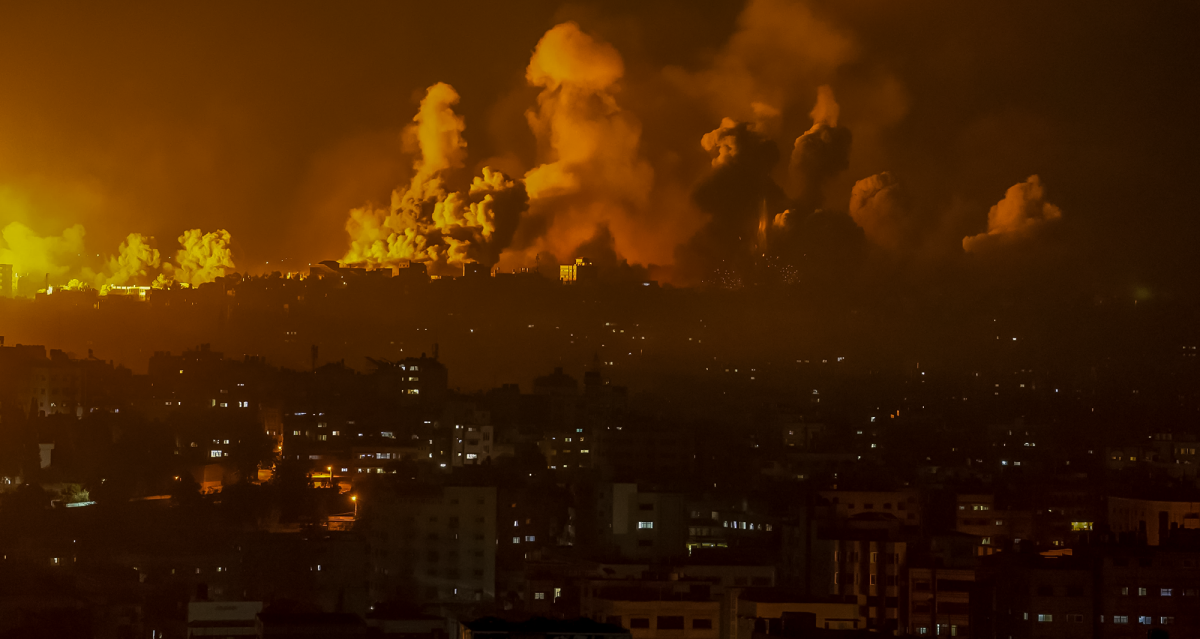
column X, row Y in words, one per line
column 1022, row 211
column 203, row 258
column 425, row 222
column 878, row 206
column 31, row 254
column 781, row 50
column 752, row 220
column 135, row 263
column 821, row 152
column 592, row 174
column 742, row 200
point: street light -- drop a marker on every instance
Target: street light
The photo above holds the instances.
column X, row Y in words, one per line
column 354, row 498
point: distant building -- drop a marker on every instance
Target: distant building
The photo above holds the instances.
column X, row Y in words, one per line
column 473, row 443
column 581, row 271
column 222, row 618
column 7, row 283
column 904, row 505
column 45, row 385
column 475, row 269
column 1116, row 591
column 412, row 380
column 328, row 625
column 1152, row 520
column 642, row 525
column 541, row 628
column 432, row 545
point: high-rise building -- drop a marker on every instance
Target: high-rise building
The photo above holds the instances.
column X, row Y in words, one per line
column 437, row 545
column 7, row 285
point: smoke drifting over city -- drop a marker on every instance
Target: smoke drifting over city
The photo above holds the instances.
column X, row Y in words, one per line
column 599, row 319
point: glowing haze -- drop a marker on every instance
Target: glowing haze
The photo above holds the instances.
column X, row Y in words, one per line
column 704, row 141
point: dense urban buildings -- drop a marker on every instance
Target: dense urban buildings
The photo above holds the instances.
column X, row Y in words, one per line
column 211, row 489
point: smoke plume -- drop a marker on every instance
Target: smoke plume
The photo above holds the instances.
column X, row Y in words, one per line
column 780, row 51
column 743, row 203
column 30, row 253
column 877, row 205
column 821, row 152
column 592, row 173
column 426, row 223
column 1022, row 211
column 203, row 258
column 135, row 262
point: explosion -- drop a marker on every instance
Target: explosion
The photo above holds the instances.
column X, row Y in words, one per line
column 202, row 259
column 134, row 263
column 425, row 222
column 877, row 206
column 1021, row 213
column 30, row 253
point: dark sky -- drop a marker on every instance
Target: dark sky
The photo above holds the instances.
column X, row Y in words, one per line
column 273, row 120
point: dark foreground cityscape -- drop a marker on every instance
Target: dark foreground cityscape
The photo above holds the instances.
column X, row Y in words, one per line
column 988, row 494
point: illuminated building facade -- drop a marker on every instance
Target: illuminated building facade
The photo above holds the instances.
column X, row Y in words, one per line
column 581, row 271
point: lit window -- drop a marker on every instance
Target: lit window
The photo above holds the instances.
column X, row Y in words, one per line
column 296, row 433
column 645, row 525
column 471, row 455
column 1045, row 618
column 530, row 538
column 1145, row 620
column 539, row 595
column 516, row 540
column 216, row 453
column 1166, row 621
column 1120, row 618
column 1142, row 592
